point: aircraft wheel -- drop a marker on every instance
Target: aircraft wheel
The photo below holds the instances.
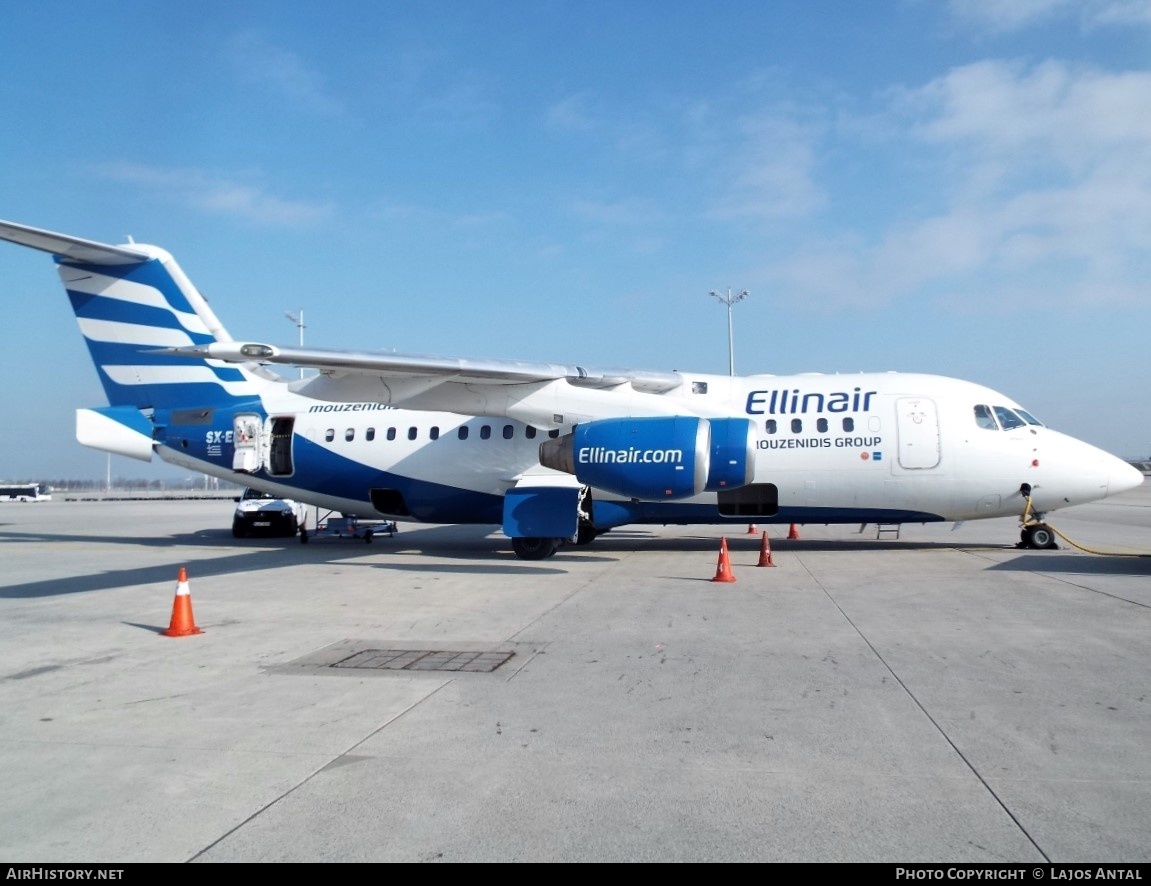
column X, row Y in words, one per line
column 534, row 548
column 1039, row 536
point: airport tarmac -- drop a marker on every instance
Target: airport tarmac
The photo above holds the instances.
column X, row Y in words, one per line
column 940, row 697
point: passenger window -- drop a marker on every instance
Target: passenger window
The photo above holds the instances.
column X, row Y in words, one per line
column 391, row 433
column 797, row 425
column 699, row 387
column 370, row 434
column 412, row 433
column 485, row 432
column 771, row 426
column 330, row 434
column 434, row 433
column 1008, row 419
column 821, row 425
column 849, row 425
column 530, row 432
column 350, row 434
column 462, row 433
column 984, row 418
column 554, row 432
column 509, row 432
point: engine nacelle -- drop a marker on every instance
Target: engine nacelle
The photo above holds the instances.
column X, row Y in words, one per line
column 732, row 453
column 652, row 459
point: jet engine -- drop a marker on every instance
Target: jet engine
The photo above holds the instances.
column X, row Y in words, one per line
column 656, row 458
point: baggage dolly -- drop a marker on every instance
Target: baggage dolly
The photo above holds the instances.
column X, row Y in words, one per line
column 346, row 526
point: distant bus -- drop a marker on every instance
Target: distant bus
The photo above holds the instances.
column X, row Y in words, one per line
column 24, row 492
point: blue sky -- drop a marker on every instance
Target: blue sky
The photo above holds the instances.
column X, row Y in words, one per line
column 959, row 187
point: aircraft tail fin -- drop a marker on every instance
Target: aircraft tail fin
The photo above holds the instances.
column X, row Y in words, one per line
column 130, row 300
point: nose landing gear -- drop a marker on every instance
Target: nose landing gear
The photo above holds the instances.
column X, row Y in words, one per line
column 1035, row 534
column 1038, row 536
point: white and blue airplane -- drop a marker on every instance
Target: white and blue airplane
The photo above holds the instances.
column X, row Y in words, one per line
column 551, row 453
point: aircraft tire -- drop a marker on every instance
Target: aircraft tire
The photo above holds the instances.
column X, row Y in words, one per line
column 534, row 548
column 1040, row 537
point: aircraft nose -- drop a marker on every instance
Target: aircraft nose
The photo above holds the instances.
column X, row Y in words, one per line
column 1123, row 477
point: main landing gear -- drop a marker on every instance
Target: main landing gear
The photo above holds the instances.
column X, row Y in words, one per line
column 540, row 548
column 535, row 548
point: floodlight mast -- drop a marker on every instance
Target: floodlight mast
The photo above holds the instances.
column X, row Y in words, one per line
column 729, row 300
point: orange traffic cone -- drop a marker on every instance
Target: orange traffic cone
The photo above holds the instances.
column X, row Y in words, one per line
column 723, row 567
column 765, row 553
column 182, row 624
column 751, row 530
column 793, row 533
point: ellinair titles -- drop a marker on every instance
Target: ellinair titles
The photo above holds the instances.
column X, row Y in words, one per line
column 795, row 402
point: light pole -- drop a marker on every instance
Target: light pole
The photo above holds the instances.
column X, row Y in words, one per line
column 729, row 300
column 298, row 319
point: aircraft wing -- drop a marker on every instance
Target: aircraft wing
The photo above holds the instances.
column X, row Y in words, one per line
column 452, row 384
column 411, row 366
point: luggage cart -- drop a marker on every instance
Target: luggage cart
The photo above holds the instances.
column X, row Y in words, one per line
column 329, row 524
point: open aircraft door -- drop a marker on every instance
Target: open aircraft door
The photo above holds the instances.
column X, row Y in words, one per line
column 262, row 443
column 247, row 438
column 918, row 428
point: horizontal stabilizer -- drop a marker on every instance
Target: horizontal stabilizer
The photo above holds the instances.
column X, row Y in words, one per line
column 73, row 249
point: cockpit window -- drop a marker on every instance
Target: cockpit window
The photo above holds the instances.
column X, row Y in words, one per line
column 1008, row 419
column 1028, row 417
column 984, row 418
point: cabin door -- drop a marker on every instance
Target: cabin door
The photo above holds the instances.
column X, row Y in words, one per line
column 918, row 428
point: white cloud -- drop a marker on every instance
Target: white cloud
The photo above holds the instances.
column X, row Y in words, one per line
column 464, row 103
column 621, row 212
column 572, row 114
column 281, row 71
column 768, row 170
column 1050, row 171
column 214, row 194
column 1011, row 15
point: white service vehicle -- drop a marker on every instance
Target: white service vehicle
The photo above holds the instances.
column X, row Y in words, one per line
column 259, row 512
